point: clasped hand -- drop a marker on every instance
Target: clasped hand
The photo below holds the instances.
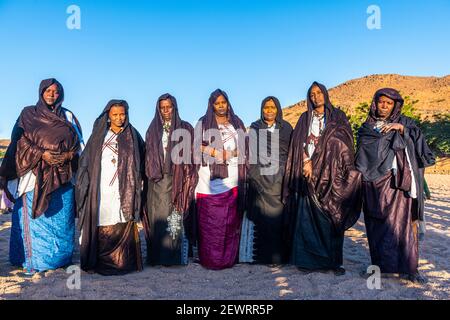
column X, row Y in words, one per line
column 56, row 158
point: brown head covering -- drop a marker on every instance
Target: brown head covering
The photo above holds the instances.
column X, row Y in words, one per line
column 87, row 189
column 220, row 170
column 335, row 184
column 41, row 128
column 184, row 176
column 156, row 165
column 208, row 121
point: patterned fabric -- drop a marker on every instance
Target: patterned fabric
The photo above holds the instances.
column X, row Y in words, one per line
column 47, row 242
column 246, row 247
column 110, row 212
column 315, row 131
column 112, row 152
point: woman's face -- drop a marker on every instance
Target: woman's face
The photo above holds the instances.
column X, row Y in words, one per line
column 117, row 116
column 270, row 111
column 221, row 106
column 166, row 109
column 385, row 106
column 51, row 94
column 317, row 97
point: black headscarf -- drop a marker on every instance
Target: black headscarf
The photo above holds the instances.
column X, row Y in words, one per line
column 130, row 167
column 396, row 112
column 376, row 151
column 284, row 127
column 279, row 117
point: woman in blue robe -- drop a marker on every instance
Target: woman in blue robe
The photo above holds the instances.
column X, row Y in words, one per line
column 38, row 171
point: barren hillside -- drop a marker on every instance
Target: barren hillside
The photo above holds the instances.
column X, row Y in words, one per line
column 432, row 93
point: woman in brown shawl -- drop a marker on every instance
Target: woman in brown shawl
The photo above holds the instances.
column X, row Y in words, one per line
column 321, row 184
column 171, row 184
column 220, row 151
column 108, row 194
column 392, row 154
column 39, row 166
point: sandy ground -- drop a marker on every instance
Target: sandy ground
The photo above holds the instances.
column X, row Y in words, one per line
column 252, row 281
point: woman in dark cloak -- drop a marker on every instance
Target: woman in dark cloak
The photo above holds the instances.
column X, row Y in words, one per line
column 391, row 156
column 171, row 185
column 265, row 179
column 37, row 171
column 220, row 192
column 108, row 194
column 321, row 184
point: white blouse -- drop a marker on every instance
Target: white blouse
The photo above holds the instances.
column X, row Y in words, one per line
column 413, row 192
column 205, row 184
column 316, row 128
column 165, row 141
column 110, row 212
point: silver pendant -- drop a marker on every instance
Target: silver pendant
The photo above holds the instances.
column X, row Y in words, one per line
column 174, row 224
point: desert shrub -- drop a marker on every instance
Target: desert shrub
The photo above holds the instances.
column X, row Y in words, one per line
column 437, row 133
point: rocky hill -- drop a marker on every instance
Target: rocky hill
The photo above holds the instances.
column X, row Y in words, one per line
column 432, row 94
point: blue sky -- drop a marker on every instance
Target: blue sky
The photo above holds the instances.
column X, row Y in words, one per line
column 138, row 50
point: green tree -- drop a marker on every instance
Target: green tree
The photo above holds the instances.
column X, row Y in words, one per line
column 436, row 131
column 410, row 110
column 437, row 134
column 358, row 116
